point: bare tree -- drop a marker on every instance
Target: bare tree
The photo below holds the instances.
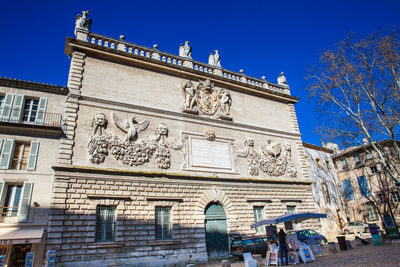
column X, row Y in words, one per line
column 357, row 87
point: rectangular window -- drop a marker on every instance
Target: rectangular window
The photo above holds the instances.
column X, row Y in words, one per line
column 105, row 223
column 381, row 198
column 30, row 110
column 357, row 160
column 328, row 166
column 163, row 223
column 369, row 155
column 326, row 193
column 290, row 225
column 348, row 190
column 258, row 216
column 318, row 163
column 363, row 185
column 371, row 212
column 20, row 156
column 344, row 164
column 374, row 169
column 395, row 197
column 11, row 200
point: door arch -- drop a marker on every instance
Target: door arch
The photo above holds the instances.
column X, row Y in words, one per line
column 216, row 230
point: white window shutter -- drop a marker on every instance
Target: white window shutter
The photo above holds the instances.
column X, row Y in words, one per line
column 6, row 109
column 33, row 154
column 41, row 115
column 17, row 108
column 6, row 154
column 24, row 203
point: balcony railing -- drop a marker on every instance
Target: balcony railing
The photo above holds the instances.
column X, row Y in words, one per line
column 29, row 117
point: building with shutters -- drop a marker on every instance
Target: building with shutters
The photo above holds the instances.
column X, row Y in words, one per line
column 163, row 156
column 326, row 188
column 366, row 187
column 31, row 126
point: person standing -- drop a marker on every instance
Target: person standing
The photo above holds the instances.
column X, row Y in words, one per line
column 282, row 246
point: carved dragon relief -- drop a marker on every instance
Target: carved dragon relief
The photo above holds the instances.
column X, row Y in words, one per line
column 205, row 99
column 129, row 150
column 275, row 158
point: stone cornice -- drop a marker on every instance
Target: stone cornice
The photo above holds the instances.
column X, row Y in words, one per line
column 154, row 174
column 315, row 147
column 121, row 56
column 35, row 86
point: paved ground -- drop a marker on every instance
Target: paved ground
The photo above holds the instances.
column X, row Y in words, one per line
column 369, row 255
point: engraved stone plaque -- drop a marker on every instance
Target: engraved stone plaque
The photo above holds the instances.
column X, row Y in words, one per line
column 210, row 154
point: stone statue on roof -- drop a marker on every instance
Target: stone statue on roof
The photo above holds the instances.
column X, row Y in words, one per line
column 214, row 59
column 83, row 22
column 185, row 50
column 282, row 80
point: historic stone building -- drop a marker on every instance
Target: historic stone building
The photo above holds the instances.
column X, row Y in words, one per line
column 366, row 186
column 326, row 188
column 164, row 155
column 31, row 126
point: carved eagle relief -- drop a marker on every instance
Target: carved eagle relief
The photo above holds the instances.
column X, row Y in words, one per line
column 131, row 127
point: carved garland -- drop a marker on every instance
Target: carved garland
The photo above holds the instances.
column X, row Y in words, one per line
column 130, row 151
column 275, row 158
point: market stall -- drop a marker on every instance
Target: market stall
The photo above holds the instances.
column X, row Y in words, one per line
column 296, row 248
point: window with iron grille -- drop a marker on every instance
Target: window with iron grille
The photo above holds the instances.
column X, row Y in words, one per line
column 163, row 223
column 374, row 169
column 381, row 198
column 258, row 216
column 30, row 110
column 105, row 223
column 395, row 197
column 371, row 212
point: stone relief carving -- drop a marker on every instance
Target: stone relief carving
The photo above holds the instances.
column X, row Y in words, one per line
column 206, row 100
column 209, row 134
column 214, row 59
column 82, row 21
column 130, row 150
column 185, row 50
column 275, row 158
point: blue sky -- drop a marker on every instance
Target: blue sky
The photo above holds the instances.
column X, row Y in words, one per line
column 261, row 37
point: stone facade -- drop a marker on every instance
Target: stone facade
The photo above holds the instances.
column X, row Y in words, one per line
column 31, row 127
column 326, row 189
column 148, row 129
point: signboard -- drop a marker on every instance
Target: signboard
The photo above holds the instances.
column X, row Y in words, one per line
column 19, row 241
column 51, row 258
column 390, row 227
column 210, row 154
column 29, row 259
column 271, row 233
column 376, row 237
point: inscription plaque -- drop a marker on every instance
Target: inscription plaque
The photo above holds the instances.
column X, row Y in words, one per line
column 210, row 154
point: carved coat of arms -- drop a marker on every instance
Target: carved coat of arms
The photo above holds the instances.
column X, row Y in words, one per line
column 205, row 99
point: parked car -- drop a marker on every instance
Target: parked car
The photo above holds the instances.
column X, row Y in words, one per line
column 254, row 245
column 355, row 227
column 309, row 236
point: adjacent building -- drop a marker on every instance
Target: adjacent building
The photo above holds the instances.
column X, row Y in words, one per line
column 31, row 127
column 163, row 155
column 366, row 186
column 326, row 188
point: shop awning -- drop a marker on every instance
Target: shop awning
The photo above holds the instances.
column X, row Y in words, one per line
column 13, row 235
column 296, row 217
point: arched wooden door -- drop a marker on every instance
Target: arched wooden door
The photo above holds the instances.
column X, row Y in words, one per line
column 216, row 237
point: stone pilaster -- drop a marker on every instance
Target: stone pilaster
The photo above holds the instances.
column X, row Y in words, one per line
column 71, row 107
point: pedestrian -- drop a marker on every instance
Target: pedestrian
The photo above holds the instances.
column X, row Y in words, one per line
column 282, row 246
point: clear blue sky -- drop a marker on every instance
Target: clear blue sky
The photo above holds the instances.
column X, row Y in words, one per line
column 262, row 37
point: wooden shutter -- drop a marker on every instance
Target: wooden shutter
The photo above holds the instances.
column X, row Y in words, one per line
column 17, row 109
column 348, row 190
column 33, row 154
column 41, row 115
column 23, row 209
column 362, row 183
column 6, row 154
column 6, row 109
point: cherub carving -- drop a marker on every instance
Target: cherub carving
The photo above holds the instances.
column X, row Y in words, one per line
column 131, row 128
column 251, row 155
column 189, row 92
column 99, row 123
column 225, row 101
column 185, row 50
column 162, row 152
